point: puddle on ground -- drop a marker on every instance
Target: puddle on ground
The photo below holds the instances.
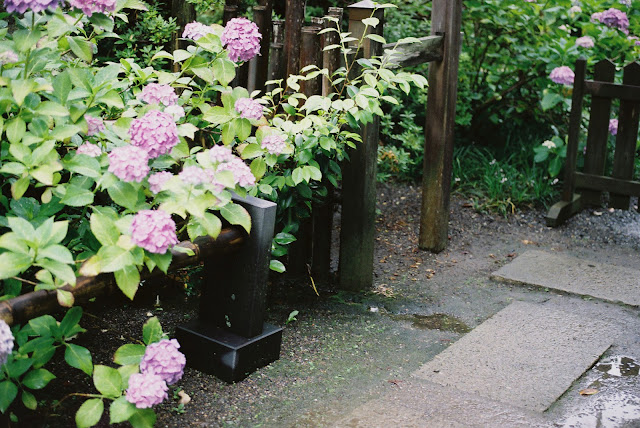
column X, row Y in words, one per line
column 617, row 402
column 442, row 322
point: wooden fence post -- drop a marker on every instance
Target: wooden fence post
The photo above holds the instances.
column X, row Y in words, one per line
column 293, row 26
column 259, row 65
column 277, row 66
column 331, row 59
column 439, row 128
column 357, row 233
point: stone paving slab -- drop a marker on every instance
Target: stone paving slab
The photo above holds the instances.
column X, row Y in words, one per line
column 418, row 403
column 527, row 355
column 573, row 275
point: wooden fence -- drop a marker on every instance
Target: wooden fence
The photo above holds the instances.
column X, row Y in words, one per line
column 586, row 187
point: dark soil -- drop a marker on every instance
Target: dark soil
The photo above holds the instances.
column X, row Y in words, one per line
column 343, row 347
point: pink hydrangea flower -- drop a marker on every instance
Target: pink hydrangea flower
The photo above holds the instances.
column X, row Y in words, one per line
column 249, row 108
column 89, row 7
column 175, row 111
column 634, row 39
column 157, row 180
column 95, row 125
column 163, row 359
column 242, row 174
column 6, row 342
column 8, row 57
column 21, row 6
column 153, row 230
column 155, row 132
column 242, row 39
column 613, row 126
column 613, row 18
column 220, row 154
column 154, row 93
column 146, row 390
column 562, row 75
column 194, row 175
column 585, row 42
column 89, row 149
column 275, row 144
column 129, row 163
column 194, row 30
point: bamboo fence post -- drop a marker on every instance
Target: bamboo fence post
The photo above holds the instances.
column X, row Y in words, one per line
column 357, row 232
column 440, row 121
column 259, row 65
column 331, row 58
column 293, row 27
column 276, row 58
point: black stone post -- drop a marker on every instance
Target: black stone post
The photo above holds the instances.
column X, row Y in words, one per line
column 230, row 339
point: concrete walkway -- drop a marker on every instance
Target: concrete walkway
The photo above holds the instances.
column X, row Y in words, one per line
column 526, row 365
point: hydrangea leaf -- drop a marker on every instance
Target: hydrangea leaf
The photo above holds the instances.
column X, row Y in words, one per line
column 107, row 381
column 78, row 357
column 8, row 392
column 151, row 331
column 89, row 413
column 120, row 410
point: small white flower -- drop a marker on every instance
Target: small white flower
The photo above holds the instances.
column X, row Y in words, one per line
column 555, row 181
column 503, row 179
column 549, row 144
column 493, row 162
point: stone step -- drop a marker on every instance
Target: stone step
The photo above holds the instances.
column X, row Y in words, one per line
column 569, row 274
column 527, row 355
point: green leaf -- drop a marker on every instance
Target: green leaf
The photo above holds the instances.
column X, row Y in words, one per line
column 277, row 266
column 104, row 229
column 125, row 373
column 124, row 194
column 217, row 115
column 128, row 279
column 107, row 381
column 81, row 47
column 89, row 413
column 243, row 128
column 65, row 298
column 17, row 368
column 44, row 325
column 19, row 187
column 371, row 22
column 51, row 108
column 60, row 270
column 29, row 400
column 235, row 214
column 38, row 379
column 224, row 71
column 78, row 357
column 12, row 264
column 151, row 331
column 258, row 168
column 251, row 151
column 163, row 261
column 143, row 418
column 70, row 320
column 84, row 165
column 112, row 99
column 15, row 130
column 56, row 252
column 120, row 410
column 8, row 392
column 129, row 354
column 550, row 100
column 21, row 88
column 113, row 258
column 283, row 238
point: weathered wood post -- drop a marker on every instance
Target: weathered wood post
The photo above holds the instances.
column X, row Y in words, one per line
column 230, row 338
column 331, row 58
column 277, row 66
column 440, row 122
column 293, row 27
column 259, row 65
column 357, row 232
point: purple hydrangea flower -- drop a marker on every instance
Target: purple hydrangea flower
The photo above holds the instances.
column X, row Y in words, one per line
column 95, row 125
column 154, row 93
column 89, row 149
column 163, row 359
column 153, row 230
column 89, row 7
column 194, row 30
column 8, row 57
column 275, row 144
column 634, row 39
column 194, row 175
column 6, row 342
column 585, row 42
column 613, row 18
column 175, row 111
column 242, row 39
column 21, row 6
column 157, row 180
column 248, row 108
column 155, row 132
column 613, row 126
column 220, row 154
column 146, row 390
column 242, row 174
column 129, row 163
column 562, row 75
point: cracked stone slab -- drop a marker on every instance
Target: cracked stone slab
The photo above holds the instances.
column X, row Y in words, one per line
column 568, row 274
column 527, row 355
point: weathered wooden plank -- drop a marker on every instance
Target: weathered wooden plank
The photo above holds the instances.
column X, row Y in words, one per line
column 575, row 120
column 612, row 90
column 440, row 121
column 405, row 54
column 277, row 63
column 357, row 232
column 605, row 184
column 259, row 65
column 624, row 156
column 311, row 54
column 331, row 58
column 293, row 26
column 598, row 136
